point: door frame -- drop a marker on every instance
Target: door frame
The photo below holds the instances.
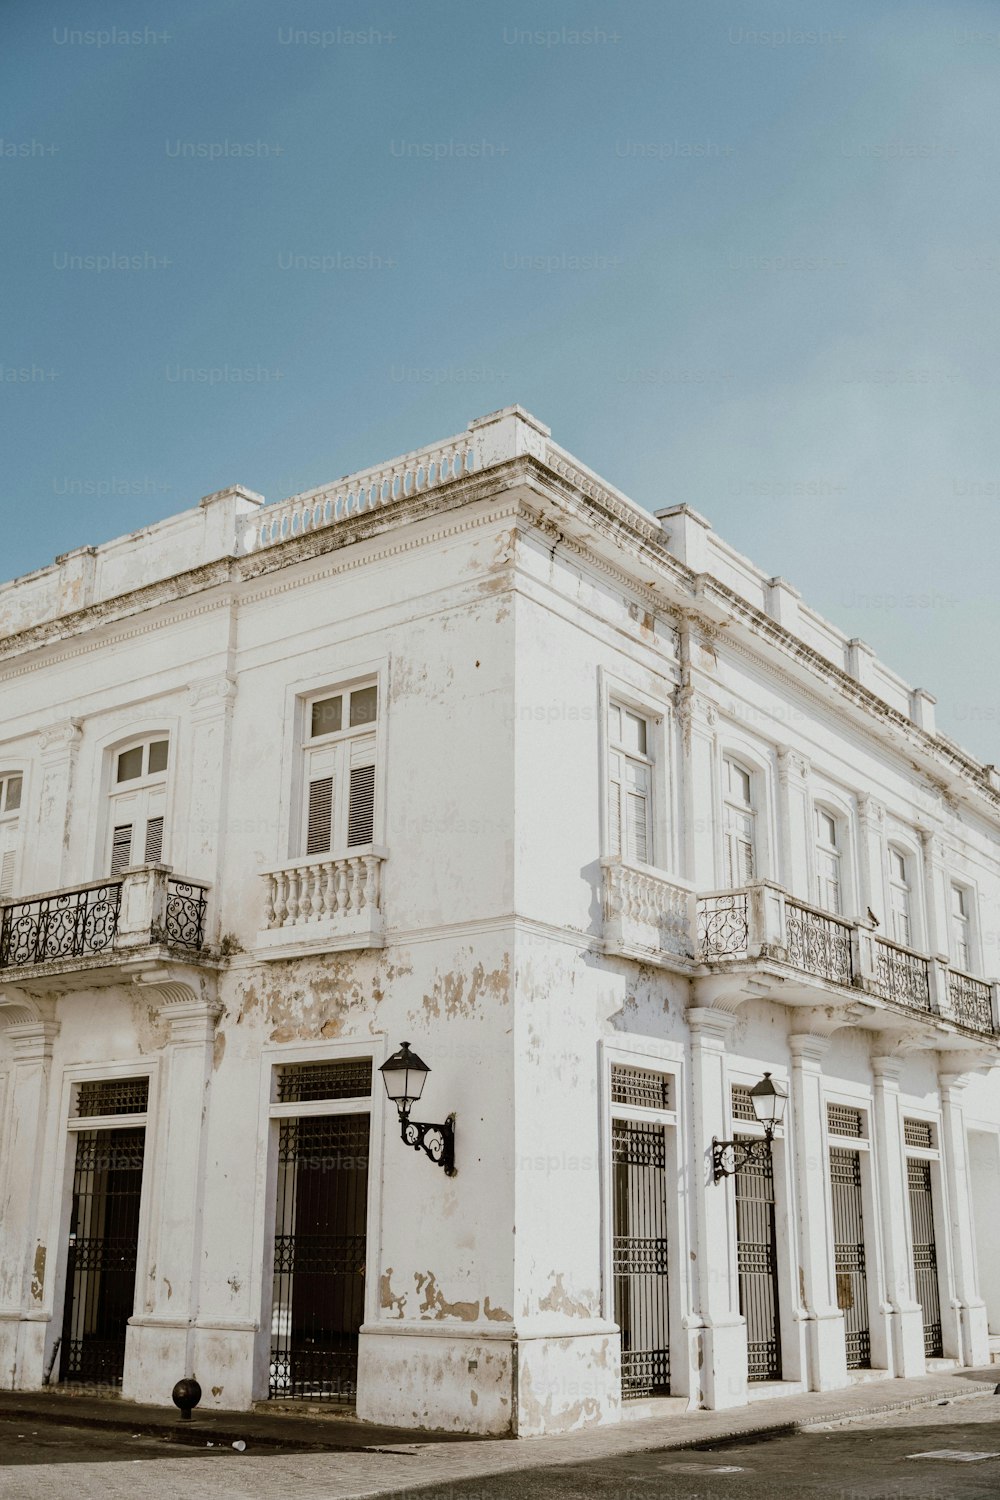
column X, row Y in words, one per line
column 271, row 1113
column 63, row 1156
column 656, row 1057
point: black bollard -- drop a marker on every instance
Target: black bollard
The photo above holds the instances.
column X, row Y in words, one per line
column 186, row 1395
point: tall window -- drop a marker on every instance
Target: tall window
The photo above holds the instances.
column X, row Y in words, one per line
column 10, row 803
column 828, row 861
column 739, row 817
column 138, row 804
column 961, row 928
column 899, row 897
column 340, row 745
column 630, row 813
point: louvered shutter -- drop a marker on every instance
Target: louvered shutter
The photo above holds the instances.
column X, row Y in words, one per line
column 320, row 815
column 154, row 841
column 361, row 814
column 615, row 803
column 8, row 853
column 121, row 848
column 740, row 847
column 637, row 811
column 321, row 768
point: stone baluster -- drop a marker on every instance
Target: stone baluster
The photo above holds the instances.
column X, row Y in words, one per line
column 280, row 898
column 341, row 887
column 293, row 898
column 355, row 885
column 371, row 881
column 269, row 913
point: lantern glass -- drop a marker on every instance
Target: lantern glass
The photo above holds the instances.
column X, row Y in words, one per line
column 768, row 1101
column 404, row 1075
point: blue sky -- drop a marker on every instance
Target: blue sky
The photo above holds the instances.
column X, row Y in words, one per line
column 742, row 255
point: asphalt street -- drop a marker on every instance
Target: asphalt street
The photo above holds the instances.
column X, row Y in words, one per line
column 878, row 1458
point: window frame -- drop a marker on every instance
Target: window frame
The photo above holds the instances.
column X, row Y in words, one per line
column 665, row 807
column 732, row 760
column 293, row 793
column 141, row 786
column 13, row 819
column 968, row 892
column 314, row 746
column 914, row 933
column 823, row 804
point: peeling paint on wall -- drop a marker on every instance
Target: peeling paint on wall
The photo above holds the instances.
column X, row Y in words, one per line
column 435, row 1304
column 38, row 1273
column 387, row 1297
column 558, row 1300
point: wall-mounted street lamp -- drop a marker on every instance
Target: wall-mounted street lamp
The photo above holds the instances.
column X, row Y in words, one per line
column 404, row 1076
column 768, row 1102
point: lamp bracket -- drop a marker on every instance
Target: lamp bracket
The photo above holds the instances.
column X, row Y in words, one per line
column 729, row 1156
column 435, row 1141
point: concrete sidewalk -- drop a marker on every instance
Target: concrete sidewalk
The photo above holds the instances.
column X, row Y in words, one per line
column 338, row 1457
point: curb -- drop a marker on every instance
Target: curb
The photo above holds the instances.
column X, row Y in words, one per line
column 840, row 1417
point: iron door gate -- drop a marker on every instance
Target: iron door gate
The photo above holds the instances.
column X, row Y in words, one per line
column 103, row 1252
column 925, row 1254
column 319, row 1256
column 849, row 1255
column 639, row 1164
column 757, row 1264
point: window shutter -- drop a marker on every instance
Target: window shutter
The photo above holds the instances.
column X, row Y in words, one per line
column 154, row 840
column 637, row 811
column 615, row 805
column 8, row 850
column 320, row 815
column 361, row 813
column 121, row 848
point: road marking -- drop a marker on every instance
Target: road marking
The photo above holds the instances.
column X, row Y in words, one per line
column 954, row 1455
column 696, row 1468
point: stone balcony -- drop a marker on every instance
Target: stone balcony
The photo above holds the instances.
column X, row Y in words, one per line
column 762, row 936
column 99, row 931
column 323, row 903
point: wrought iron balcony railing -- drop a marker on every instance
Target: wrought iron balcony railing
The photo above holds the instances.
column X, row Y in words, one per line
column 146, row 905
column 648, row 915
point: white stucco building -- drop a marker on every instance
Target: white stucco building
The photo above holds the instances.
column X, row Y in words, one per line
column 472, row 751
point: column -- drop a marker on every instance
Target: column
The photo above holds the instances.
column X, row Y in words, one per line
column 972, row 1318
column 160, row 1346
column 794, row 828
column 23, row 1248
column 45, row 865
column 717, row 1330
column 906, row 1323
column 210, row 710
column 826, row 1353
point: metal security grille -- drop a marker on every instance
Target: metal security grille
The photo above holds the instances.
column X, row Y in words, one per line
column 742, row 1103
column 103, row 1251
column 350, row 1079
column 925, row 1254
column 849, row 1255
column 918, row 1133
column 639, row 1163
column 319, row 1257
column 640, row 1086
column 757, row 1264
column 842, row 1120
column 112, row 1096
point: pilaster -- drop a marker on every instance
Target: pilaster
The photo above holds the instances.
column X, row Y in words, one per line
column 31, row 1032
column 794, row 834
column 718, row 1331
column 824, row 1322
column 58, row 747
column 160, row 1347
column 906, row 1326
column 971, row 1309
